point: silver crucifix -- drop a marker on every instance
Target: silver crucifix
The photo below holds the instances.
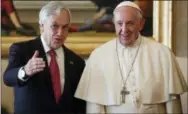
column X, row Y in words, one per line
column 124, row 92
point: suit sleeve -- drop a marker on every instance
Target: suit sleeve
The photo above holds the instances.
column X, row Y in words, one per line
column 14, row 64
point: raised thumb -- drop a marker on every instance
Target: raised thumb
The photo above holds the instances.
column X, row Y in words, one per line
column 36, row 54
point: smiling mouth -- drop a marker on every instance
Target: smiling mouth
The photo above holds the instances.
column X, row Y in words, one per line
column 125, row 37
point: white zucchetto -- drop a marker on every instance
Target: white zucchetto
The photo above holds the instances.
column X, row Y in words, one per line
column 127, row 3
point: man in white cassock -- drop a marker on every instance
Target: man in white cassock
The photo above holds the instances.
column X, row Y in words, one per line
column 131, row 73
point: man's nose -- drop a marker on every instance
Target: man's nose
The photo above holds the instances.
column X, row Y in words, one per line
column 124, row 28
column 60, row 31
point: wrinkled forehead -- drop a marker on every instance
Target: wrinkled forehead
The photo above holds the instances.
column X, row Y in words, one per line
column 62, row 17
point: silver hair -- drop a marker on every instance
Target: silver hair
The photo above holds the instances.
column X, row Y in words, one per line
column 53, row 7
column 139, row 14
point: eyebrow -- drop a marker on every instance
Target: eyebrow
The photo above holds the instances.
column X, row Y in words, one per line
column 126, row 21
column 66, row 25
column 60, row 25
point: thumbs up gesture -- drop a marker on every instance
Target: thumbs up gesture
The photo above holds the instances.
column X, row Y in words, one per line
column 34, row 65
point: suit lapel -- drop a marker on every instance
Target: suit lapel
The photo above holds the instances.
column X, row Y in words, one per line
column 38, row 46
column 68, row 62
column 68, row 73
column 45, row 75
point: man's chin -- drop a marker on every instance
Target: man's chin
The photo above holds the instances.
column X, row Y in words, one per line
column 55, row 46
column 125, row 42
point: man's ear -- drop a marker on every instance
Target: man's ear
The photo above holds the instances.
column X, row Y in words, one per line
column 113, row 19
column 41, row 28
column 142, row 22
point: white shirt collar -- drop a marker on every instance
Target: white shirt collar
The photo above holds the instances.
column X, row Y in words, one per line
column 47, row 48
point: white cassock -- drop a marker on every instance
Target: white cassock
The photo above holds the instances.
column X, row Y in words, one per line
column 154, row 82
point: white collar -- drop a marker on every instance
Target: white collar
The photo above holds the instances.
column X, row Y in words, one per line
column 47, row 48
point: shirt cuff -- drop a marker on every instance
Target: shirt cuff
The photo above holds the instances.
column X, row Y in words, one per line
column 21, row 75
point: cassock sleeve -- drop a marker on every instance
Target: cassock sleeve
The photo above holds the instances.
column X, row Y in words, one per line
column 174, row 106
column 95, row 108
column 177, row 83
column 171, row 83
column 94, row 85
column 91, row 86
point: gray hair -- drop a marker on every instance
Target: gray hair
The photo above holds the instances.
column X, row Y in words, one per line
column 53, row 7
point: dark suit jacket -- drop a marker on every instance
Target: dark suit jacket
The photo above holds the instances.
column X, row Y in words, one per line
column 35, row 96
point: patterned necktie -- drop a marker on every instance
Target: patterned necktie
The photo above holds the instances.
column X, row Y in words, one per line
column 55, row 75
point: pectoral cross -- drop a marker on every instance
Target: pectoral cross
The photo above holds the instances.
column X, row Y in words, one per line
column 124, row 92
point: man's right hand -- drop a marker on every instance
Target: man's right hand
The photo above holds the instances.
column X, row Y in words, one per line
column 34, row 65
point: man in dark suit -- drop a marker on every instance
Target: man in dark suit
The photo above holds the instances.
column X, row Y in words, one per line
column 43, row 72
